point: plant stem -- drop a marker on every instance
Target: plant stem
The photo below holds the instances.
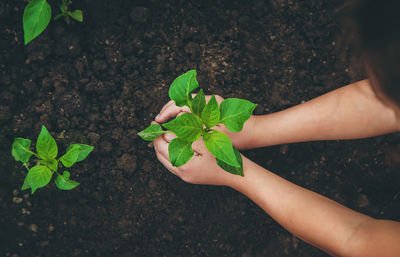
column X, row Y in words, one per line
column 26, row 166
column 57, row 173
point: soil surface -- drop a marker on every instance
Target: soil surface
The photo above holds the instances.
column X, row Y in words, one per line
column 103, row 80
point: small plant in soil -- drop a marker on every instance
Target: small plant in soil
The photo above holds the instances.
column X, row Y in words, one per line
column 37, row 15
column 189, row 127
column 40, row 175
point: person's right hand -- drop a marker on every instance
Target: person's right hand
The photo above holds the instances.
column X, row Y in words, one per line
column 202, row 168
column 241, row 140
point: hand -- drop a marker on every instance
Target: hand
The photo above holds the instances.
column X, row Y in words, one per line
column 241, row 140
column 202, row 168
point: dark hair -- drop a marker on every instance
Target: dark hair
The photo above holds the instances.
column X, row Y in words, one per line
column 375, row 29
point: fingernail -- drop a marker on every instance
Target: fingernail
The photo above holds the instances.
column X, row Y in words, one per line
column 158, row 116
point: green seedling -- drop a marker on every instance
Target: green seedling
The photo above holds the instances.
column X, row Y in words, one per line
column 40, row 175
column 189, row 127
column 37, row 15
column 77, row 14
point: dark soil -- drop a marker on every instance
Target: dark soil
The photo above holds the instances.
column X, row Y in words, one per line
column 103, row 80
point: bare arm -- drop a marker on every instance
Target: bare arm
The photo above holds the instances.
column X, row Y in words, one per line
column 349, row 112
column 316, row 219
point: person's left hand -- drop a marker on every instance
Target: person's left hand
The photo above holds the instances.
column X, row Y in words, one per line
column 202, row 168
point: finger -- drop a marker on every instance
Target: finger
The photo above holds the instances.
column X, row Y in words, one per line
column 161, row 147
column 166, row 106
column 167, row 164
column 179, row 114
column 170, row 112
column 218, row 98
column 221, row 128
column 167, row 113
column 169, row 136
column 199, row 147
column 170, row 102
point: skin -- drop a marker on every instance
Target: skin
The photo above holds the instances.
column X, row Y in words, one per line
column 353, row 111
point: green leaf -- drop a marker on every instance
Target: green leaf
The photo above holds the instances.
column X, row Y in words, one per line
column 77, row 15
column 182, row 87
column 180, row 151
column 210, row 115
column 20, row 149
column 84, row 151
column 221, row 147
column 64, row 183
column 186, row 126
column 151, row 132
column 71, row 156
column 231, row 169
column 36, row 17
column 46, row 146
column 37, row 177
column 198, row 103
column 51, row 164
column 235, row 112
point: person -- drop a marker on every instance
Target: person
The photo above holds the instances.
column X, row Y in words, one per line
column 367, row 108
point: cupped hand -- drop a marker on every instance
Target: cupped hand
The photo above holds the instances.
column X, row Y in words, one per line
column 241, row 140
column 202, row 168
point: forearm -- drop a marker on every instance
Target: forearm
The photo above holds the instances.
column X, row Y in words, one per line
column 349, row 112
column 312, row 217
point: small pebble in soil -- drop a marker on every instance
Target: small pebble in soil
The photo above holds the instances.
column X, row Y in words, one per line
column 284, row 149
column 73, row 221
column 25, row 211
column 363, row 201
column 17, row 199
column 33, row 228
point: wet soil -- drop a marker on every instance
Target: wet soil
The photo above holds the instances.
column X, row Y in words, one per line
column 103, row 80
